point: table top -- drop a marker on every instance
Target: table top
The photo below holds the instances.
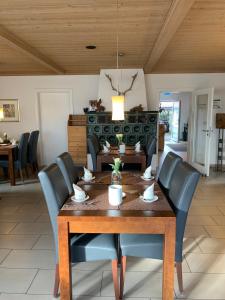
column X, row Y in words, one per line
column 127, row 178
column 132, row 205
column 128, row 152
column 7, row 146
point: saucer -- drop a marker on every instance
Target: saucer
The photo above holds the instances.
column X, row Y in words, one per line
column 80, row 200
column 93, row 177
column 149, row 201
column 147, row 179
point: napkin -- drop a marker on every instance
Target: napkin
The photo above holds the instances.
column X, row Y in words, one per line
column 107, row 144
column 138, row 143
column 147, row 173
column 78, row 192
column 138, row 147
column 87, row 174
column 149, row 192
column 105, row 149
column 1, row 140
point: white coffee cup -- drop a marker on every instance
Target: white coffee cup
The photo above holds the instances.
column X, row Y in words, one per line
column 115, row 194
column 122, row 148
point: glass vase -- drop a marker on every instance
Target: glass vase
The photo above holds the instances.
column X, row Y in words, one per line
column 116, row 177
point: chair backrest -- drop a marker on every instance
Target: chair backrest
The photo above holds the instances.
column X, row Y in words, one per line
column 150, row 149
column 22, row 149
column 166, row 172
column 56, row 192
column 183, row 184
column 96, row 142
column 68, row 169
column 32, row 147
column 93, row 150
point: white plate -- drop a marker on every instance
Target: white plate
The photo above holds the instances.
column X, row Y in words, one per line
column 149, row 201
column 147, row 179
column 123, row 195
column 80, row 200
column 88, row 180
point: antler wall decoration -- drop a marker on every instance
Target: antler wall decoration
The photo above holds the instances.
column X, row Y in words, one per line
column 127, row 90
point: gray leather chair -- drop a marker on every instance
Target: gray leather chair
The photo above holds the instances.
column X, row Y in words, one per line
column 20, row 156
column 93, row 150
column 84, row 247
column 96, row 141
column 166, row 172
column 69, row 170
column 32, row 150
column 182, row 188
column 150, row 149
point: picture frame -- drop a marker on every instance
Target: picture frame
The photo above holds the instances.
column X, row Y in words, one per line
column 9, row 110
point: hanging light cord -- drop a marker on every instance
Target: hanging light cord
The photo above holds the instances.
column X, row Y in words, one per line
column 117, row 44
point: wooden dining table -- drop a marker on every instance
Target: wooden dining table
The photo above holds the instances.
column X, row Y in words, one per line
column 8, row 151
column 132, row 216
column 130, row 157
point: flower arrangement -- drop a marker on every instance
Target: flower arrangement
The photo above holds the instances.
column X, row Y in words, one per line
column 116, row 165
column 119, row 137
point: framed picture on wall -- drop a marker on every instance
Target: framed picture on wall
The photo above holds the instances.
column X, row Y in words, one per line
column 9, row 110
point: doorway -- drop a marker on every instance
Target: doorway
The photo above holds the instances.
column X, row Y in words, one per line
column 54, row 107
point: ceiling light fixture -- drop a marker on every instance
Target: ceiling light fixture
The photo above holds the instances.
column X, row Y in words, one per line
column 91, row 47
column 117, row 101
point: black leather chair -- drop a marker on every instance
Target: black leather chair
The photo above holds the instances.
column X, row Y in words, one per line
column 69, row 170
column 84, row 247
column 167, row 170
column 182, row 188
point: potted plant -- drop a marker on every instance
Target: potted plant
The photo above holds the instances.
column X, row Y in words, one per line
column 116, row 175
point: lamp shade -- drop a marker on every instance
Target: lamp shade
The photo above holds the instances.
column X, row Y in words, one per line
column 117, row 108
column 1, row 114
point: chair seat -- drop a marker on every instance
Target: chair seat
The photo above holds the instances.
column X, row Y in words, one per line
column 90, row 247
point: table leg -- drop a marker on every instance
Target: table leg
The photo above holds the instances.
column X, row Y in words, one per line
column 168, row 261
column 64, row 262
column 11, row 168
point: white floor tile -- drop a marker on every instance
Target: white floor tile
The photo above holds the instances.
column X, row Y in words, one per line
column 43, row 259
column 211, row 245
column 16, row 280
column 26, row 297
column 215, row 231
column 206, row 263
column 45, row 242
column 201, row 220
column 195, row 231
column 6, row 227
column 32, row 228
column 12, row 241
column 3, row 254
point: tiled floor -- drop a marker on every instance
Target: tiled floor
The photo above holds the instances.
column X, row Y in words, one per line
column 27, row 255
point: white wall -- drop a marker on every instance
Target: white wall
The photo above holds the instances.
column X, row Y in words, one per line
column 85, row 88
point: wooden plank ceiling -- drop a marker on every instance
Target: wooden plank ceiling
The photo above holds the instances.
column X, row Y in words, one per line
column 162, row 36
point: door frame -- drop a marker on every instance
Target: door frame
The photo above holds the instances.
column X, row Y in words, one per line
column 38, row 112
column 192, row 131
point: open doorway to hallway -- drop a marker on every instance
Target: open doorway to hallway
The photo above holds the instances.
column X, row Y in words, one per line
column 174, row 118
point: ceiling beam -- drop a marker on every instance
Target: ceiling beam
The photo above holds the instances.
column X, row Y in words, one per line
column 175, row 17
column 14, row 42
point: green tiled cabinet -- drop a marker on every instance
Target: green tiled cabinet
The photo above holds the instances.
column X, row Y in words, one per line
column 136, row 126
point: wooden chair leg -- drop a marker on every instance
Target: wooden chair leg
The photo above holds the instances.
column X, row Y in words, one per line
column 56, row 284
column 115, row 277
column 122, row 274
column 179, row 276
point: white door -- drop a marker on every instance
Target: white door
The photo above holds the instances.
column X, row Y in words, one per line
column 200, row 130
column 54, row 109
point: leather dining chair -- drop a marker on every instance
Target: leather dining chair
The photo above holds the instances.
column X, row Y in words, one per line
column 69, row 170
column 96, row 141
column 20, row 156
column 150, row 149
column 167, row 169
column 84, row 247
column 182, row 188
column 93, row 150
column 32, row 150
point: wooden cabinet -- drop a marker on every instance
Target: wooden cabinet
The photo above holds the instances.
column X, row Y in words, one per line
column 77, row 138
